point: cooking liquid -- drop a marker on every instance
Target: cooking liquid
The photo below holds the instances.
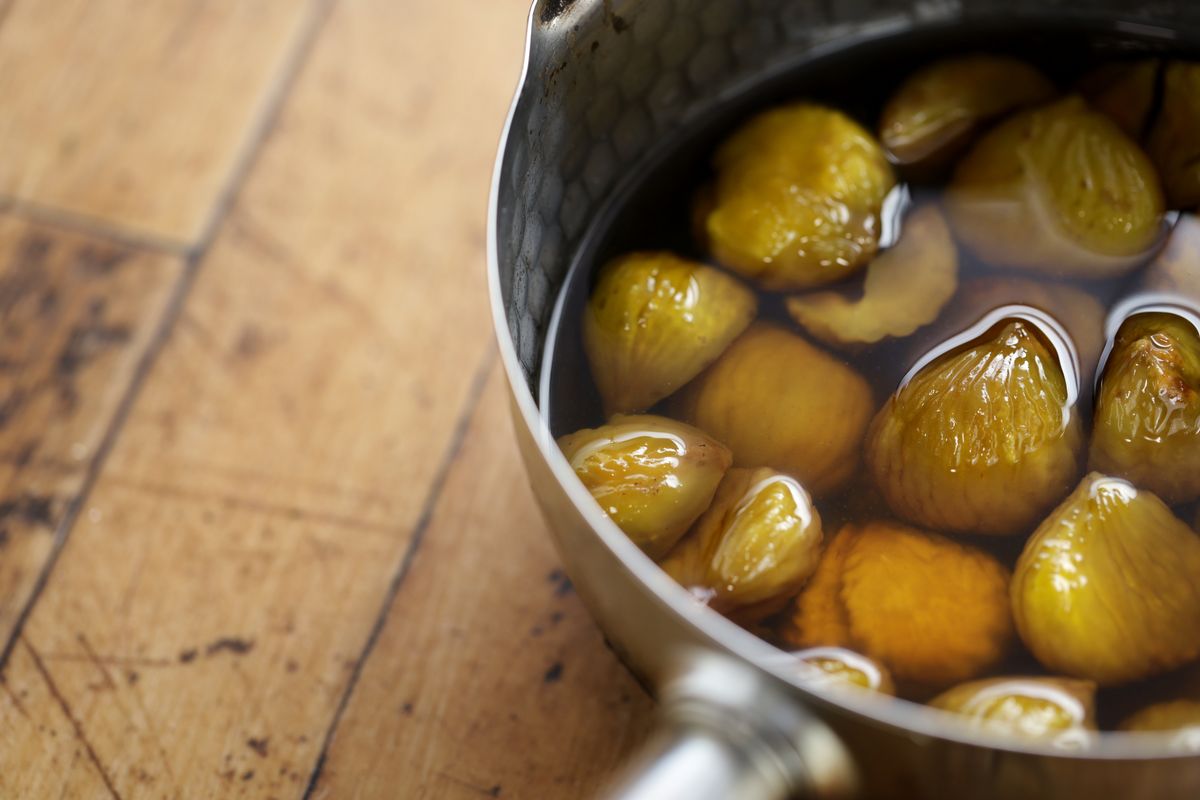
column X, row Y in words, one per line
column 652, row 211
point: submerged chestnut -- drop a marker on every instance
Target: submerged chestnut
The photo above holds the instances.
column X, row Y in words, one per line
column 1124, row 92
column 1058, row 710
column 797, row 197
column 778, row 401
column 1174, row 141
column 906, row 287
column 934, row 113
column 983, row 439
column 653, row 476
column 1178, row 718
column 1147, row 421
column 839, row 668
column 654, row 321
column 931, row 610
column 1060, row 190
column 755, row 546
column 1106, row 588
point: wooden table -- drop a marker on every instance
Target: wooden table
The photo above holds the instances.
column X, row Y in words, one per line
column 263, row 530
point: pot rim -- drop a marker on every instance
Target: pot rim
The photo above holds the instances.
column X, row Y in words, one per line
column 905, row 718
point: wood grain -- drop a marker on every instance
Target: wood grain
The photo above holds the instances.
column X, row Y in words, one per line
column 76, row 318
column 204, row 618
column 489, row 678
column 135, row 114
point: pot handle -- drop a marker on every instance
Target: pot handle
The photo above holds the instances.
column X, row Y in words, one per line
column 726, row 732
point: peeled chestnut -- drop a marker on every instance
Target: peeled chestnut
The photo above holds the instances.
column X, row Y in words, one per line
column 1174, row 141
column 983, row 439
column 1060, row 190
column 797, row 197
column 757, row 543
column 1059, row 710
column 934, row 113
column 778, row 401
column 1147, row 420
column 1176, row 268
column 1106, row 588
column 837, row 667
column 1179, row 717
column 654, row 321
column 1124, row 92
column 1079, row 314
column 931, row 610
column 653, row 476
column 906, row 287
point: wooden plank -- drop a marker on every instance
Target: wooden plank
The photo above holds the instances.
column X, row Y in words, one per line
column 489, row 678
column 204, row 617
column 76, row 318
column 136, row 113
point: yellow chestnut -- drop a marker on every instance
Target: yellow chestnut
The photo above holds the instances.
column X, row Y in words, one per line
column 1059, row 710
column 1178, row 717
column 1106, row 588
column 797, row 197
column 1147, row 419
column 837, row 667
column 1078, row 313
column 1123, row 91
column 1060, row 190
column 931, row 610
column 906, row 287
column 654, row 321
column 1174, row 141
column 935, row 112
column 1176, row 268
column 983, row 439
column 778, row 401
column 758, row 542
column 653, row 476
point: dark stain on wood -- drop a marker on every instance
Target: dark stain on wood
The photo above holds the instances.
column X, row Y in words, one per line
column 97, row 261
column 26, row 274
column 248, row 775
column 406, row 709
column 187, row 656
column 33, row 509
column 231, row 644
column 86, row 340
column 250, row 342
column 554, row 673
column 562, row 584
column 260, row 746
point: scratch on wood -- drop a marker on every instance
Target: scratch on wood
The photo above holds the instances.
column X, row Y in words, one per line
column 70, row 715
column 111, row 661
column 16, row 701
column 109, row 683
column 248, row 504
column 486, row 791
column 449, row 457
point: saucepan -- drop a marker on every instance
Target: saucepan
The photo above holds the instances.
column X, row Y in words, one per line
column 608, row 85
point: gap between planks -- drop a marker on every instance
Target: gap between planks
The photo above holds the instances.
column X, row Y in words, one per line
column 193, row 261
column 449, row 458
column 130, row 236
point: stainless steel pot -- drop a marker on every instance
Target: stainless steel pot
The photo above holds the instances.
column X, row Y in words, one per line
column 608, row 83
